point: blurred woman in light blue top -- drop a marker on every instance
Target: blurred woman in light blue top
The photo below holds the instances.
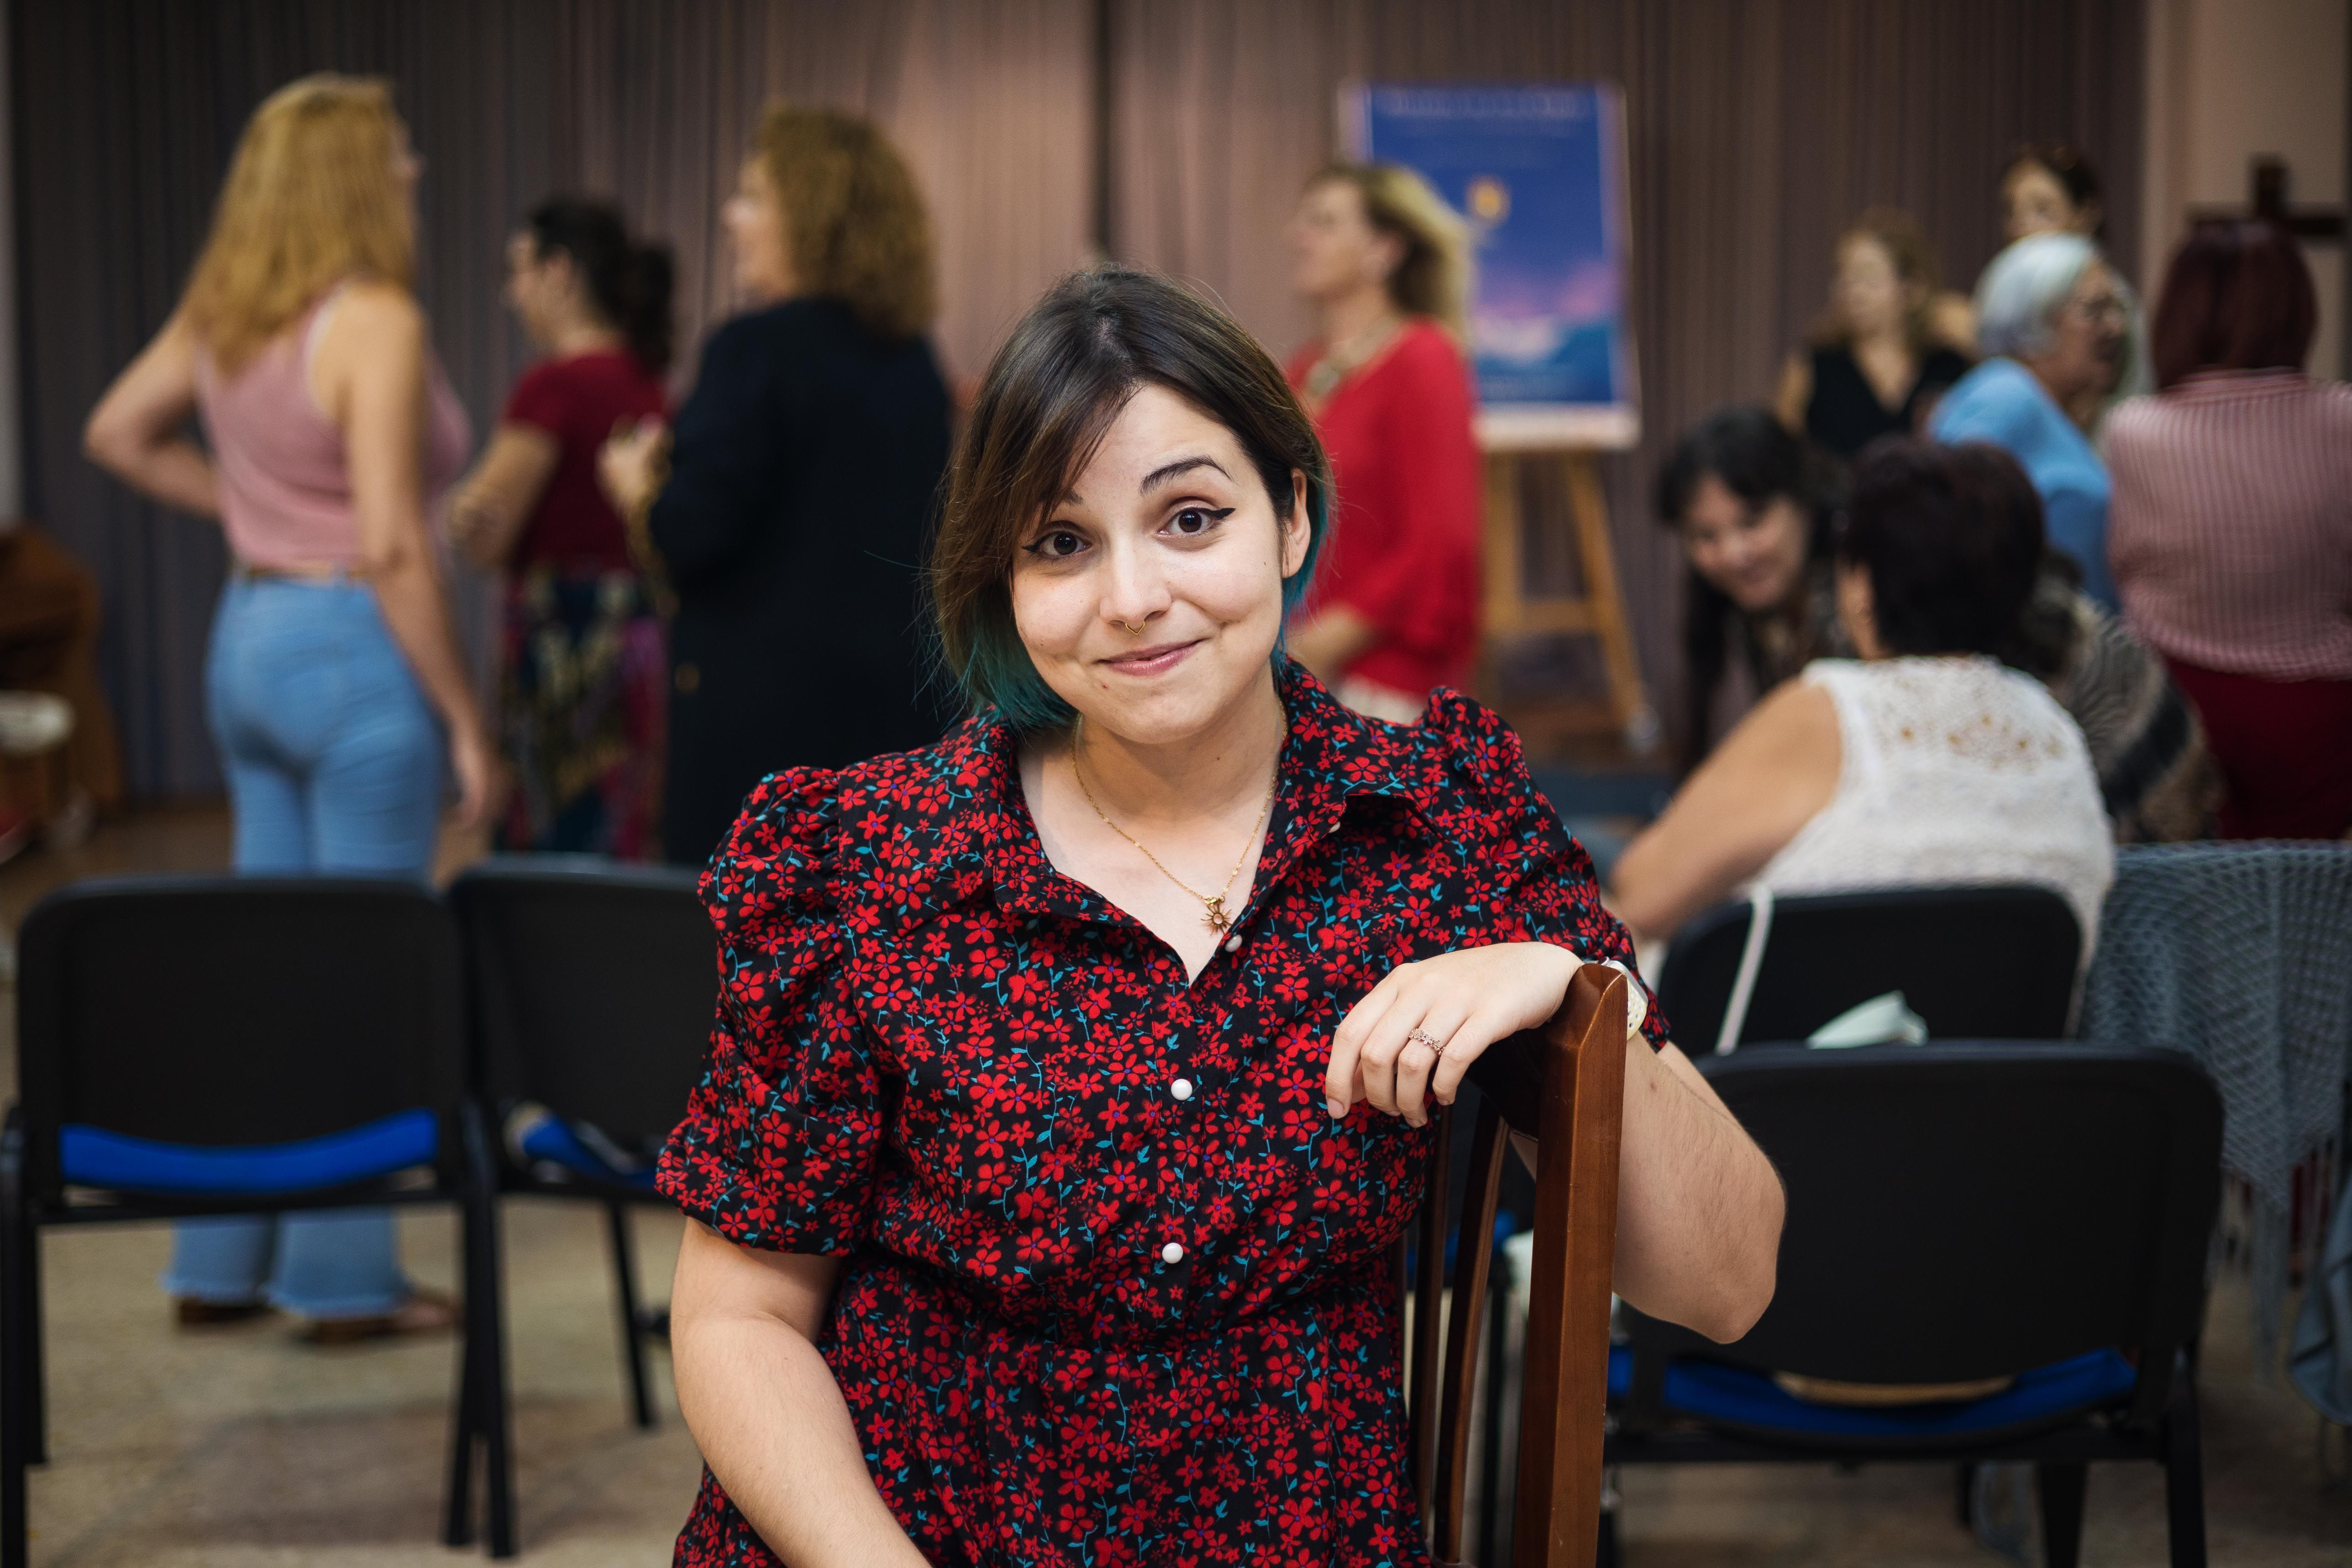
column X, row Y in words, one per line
column 2055, row 324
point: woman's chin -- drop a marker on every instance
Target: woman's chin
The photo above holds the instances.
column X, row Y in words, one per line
column 1161, row 706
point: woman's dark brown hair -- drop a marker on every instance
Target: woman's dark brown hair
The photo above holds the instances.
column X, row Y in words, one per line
column 2076, row 174
column 2238, row 297
column 1952, row 540
column 1051, row 393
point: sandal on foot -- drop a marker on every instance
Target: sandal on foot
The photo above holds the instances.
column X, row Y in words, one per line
column 191, row 1314
column 425, row 1311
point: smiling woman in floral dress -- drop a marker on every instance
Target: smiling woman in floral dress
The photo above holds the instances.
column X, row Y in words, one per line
column 1072, row 1076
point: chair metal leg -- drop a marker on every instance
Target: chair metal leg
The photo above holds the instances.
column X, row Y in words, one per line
column 14, row 1427
column 37, row 1366
column 457, row 1526
column 2059, row 1488
column 625, row 1286
column 2184, row 1472
column 491, row 1408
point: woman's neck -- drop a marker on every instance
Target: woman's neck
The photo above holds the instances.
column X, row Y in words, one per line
column 1205, row 775
column 1892, row 339
column 1355, row 313
column 582, row 335
column 2065, row 390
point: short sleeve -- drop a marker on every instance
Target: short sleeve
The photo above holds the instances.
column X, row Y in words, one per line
column 541, row 400
column 1532, row 881
column 777, row 1150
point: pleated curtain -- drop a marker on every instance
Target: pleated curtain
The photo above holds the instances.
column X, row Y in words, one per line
column 1171, row 133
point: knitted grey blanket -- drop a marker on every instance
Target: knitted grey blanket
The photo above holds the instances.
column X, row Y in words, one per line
column 2239, row 954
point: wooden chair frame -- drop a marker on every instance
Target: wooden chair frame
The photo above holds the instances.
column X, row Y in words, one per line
column 1564, row 1085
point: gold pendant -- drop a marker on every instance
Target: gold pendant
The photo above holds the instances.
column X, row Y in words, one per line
column 1219, row 922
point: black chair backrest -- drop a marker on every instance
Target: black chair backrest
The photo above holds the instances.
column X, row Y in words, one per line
column 223, row 1010
column 1827, row 952
column 594, row 987
column 1975, row 1210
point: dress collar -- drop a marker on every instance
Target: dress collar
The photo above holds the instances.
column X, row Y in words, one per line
column 1332, row 757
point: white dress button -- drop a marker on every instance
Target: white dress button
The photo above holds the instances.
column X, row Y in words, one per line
column 1233, row 943
column 1182, row 1089
column 1172, row 1253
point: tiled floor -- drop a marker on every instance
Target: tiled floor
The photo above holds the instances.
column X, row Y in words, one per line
column 241, row 1446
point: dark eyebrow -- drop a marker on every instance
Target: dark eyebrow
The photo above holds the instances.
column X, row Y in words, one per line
column 1160, row 475
column 1167, row 471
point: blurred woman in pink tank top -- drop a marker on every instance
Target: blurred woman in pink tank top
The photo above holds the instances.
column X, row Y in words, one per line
column 334, row 683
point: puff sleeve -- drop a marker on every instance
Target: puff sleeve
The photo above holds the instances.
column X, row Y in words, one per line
column 1528, row 880
column 777, row 1147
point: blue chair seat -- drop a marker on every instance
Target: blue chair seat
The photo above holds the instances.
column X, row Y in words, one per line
column 93, row 1156
column 554, row 1141
column 1735, row 1397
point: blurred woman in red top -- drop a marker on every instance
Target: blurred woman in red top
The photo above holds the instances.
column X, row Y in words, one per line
column 584, row 676
column 1394, row 611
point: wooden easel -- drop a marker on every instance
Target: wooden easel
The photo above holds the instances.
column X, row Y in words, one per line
column 1622, row 712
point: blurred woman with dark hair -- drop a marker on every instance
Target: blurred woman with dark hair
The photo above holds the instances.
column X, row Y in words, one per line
column 1753, row 508
column 1386, row 264
column 1754, row 513
column 1925, row 760
column 790, row 516
column 2232, row 528
column 1876, row 365
column 584, row 679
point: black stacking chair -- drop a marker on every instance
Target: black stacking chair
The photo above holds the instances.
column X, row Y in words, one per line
column 224, row 1045
column 1957, row 1213
column 593, row 987
column 1823, row 953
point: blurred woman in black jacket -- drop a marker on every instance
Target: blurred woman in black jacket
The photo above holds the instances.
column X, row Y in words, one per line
column 801, row 477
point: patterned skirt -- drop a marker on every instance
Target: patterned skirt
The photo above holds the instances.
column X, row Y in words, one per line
column 583, row 706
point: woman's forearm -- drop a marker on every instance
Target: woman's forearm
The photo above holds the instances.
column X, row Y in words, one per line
column 772, row 1425
column 175, row 472
column 1699, row 1206
column 417, row 612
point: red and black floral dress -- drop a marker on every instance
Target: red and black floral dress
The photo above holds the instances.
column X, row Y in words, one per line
column 1115, row 1288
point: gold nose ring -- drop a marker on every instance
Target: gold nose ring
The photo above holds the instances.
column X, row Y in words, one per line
column 1133, row 631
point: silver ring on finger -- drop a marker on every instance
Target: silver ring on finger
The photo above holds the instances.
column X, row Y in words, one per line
column 1423, row 1037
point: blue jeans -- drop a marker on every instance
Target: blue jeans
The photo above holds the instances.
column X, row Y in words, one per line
column 334, row 764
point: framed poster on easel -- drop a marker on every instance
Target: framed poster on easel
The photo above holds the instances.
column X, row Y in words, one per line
column 1538, row 171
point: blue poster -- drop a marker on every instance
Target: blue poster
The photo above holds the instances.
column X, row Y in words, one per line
column 1539, row 172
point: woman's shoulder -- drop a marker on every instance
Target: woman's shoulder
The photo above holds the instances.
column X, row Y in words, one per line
column 863, row 845
column 375, row 309
column 1426, row 349
column 1998, row 399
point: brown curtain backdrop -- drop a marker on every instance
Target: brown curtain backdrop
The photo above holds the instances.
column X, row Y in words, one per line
column 127, row 112
column 1756, row 127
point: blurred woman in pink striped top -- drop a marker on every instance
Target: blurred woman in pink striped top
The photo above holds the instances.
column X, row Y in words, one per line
column 2231, row 530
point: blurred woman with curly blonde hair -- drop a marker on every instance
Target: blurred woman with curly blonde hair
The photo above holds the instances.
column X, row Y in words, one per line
column 334, row 683
column 800, row 480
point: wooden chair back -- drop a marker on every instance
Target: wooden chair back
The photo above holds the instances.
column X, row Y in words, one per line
column 1563, row 1085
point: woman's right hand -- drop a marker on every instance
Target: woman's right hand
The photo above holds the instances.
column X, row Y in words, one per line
column 475, row 765
column 629, row 465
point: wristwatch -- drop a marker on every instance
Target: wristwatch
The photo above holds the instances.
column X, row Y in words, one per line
column 1637, row 1000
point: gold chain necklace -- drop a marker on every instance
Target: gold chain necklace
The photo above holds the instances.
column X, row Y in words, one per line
column 1218, row 920
column 1323, row 378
